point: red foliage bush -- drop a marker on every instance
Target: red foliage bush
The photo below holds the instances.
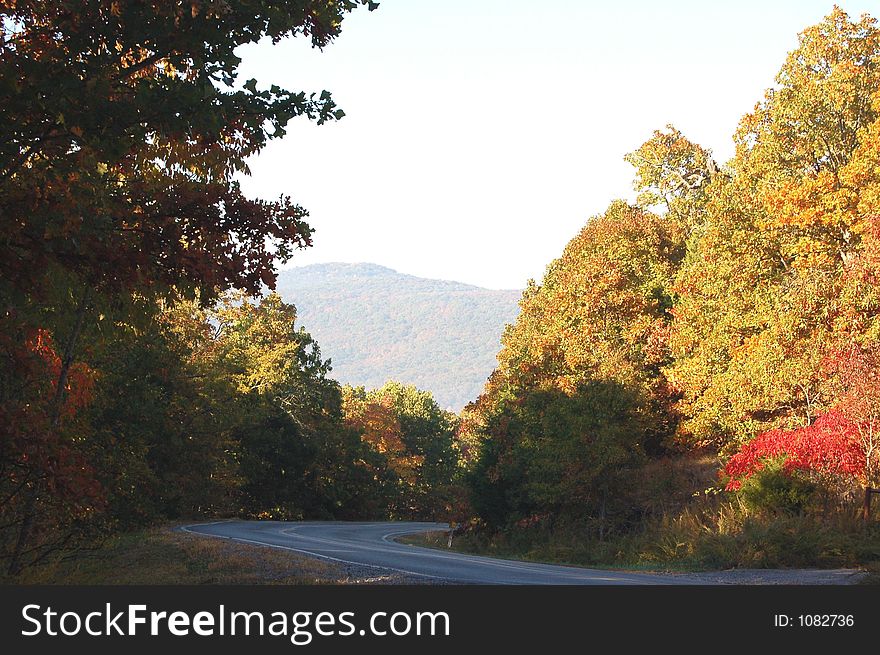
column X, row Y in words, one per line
column 831, row 445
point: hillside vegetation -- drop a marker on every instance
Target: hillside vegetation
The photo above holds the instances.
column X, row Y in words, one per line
column 434, row 334
column 145, row 374
column 733, row 309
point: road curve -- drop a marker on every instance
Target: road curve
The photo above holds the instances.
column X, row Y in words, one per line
column 373, row 545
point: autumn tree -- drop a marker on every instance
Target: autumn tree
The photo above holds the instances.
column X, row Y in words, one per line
column 393, row 466
column 602, row 311
column 673, row 174
column 761, row 292
column 855, row 387
column 829, row 447
column 426, row 434
column 580, row 392
column 32, row 445
column 124, row 123
column 797, row 147
column 296, row 457
column 717, row 314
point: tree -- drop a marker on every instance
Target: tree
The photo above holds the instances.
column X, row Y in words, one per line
column 673, row 172
column 716, row 319
column 161, row 421
column 393, row 467
column 123, row 126
column 124, row 129
column 42, row 443
column 580, row 394
column 829, row 447
column 296, row 456
column 602, row 312
column 796, row 147
column 761, row 292
column 426, row 434
column 855, row 381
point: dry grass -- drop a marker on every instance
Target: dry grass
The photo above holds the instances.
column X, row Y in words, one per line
column 166, row 556
column 437, row 539
column 712, row 534
column 673, row 518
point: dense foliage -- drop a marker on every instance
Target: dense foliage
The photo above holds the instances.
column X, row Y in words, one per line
column 123, row 125
column 414, row 437
column 148, row 373
column 580, row 394
column 728, row 302
column 828, row 446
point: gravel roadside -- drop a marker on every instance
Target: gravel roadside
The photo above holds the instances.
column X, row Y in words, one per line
column 776, row 577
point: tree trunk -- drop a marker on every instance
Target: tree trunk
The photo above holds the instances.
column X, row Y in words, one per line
column 602, row 515
column 32, row 493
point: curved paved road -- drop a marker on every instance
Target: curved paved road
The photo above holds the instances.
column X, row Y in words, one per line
column 372, row 544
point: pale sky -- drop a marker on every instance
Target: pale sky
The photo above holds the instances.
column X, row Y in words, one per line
column 480, row 135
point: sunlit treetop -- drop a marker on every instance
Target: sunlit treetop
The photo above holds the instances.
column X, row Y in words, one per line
column 799, row 145
column 156, row 70
column 672, row 172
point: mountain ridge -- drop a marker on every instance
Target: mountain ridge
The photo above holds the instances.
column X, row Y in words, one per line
column 376, row 324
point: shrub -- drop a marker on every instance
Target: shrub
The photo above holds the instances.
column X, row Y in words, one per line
column 830, row 446
column 775, row 488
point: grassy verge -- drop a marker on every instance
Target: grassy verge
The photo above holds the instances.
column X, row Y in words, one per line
column 165, row 556
column 547, row 554
column 709, row 540
column 668, row 521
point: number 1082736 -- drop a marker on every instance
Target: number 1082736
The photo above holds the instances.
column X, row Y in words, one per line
column 814, row 621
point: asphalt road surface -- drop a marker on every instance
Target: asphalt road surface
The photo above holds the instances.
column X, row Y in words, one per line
column 373, row 545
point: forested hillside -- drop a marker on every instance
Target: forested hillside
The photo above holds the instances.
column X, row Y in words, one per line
column 730, row 315
column 434, row 334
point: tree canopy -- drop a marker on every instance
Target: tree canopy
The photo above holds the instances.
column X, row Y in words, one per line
column 123, row 125
column 732, row 307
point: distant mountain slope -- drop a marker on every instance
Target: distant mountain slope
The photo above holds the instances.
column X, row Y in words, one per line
column 376, row 324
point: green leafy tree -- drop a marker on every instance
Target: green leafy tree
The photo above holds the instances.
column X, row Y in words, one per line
column 416, row 437
column 161, row 422
column 297, row 458
column 580, row 393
